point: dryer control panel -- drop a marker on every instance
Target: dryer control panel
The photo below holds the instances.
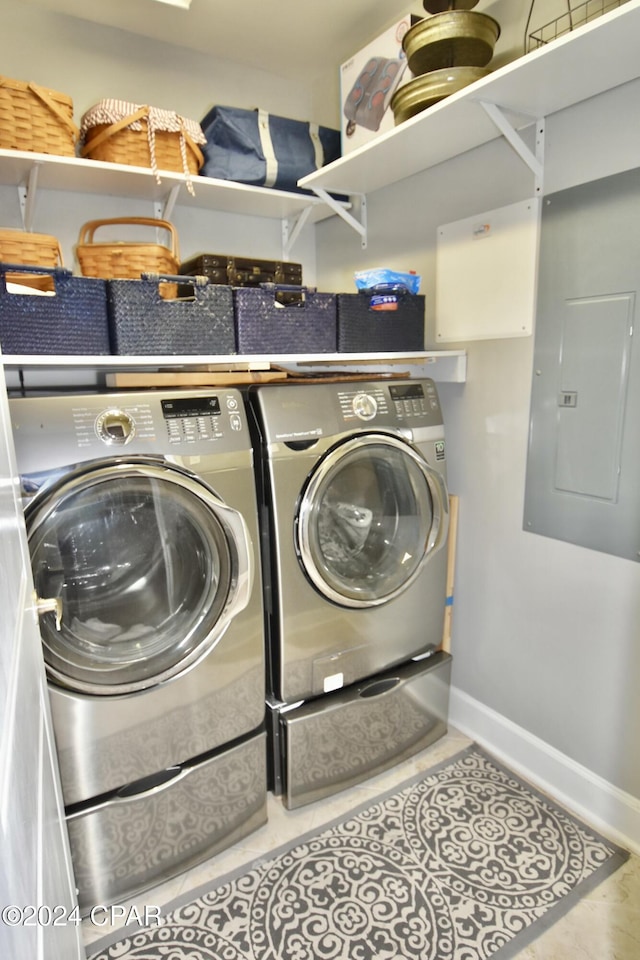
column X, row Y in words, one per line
column 415, row 402
column 299, row 415
column 363, row 404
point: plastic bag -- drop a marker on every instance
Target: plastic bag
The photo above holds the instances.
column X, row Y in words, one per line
column 386, row 287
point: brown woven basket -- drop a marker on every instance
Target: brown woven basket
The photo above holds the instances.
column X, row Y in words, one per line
column 118, row 143
column 35, row 118
column 33, row 249
column 126, row 259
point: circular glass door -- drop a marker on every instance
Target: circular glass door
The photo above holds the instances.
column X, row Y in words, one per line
column 148, row 566
column 371, row 514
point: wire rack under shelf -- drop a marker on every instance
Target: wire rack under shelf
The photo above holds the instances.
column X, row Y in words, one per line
column 572, row 18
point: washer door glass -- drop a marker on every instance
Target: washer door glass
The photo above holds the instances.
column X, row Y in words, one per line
column 372, row 513
column 145, row 561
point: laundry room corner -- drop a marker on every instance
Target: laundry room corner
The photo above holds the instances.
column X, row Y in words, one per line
column 289, row 563
column 542, row 630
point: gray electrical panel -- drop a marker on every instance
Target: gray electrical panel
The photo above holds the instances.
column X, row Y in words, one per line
column 583, row 466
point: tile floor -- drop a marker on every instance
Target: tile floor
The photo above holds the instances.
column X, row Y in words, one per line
column 605, row 925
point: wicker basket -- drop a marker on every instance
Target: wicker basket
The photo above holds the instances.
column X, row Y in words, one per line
column 118, row 132
column 35, row 118
column 33, row 250
column 126, row 259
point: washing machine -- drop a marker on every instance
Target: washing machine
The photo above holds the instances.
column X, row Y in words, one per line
column 142, row 526
column 354, row 523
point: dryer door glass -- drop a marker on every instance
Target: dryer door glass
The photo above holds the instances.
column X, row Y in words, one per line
column 370, row 516
column 147, row 567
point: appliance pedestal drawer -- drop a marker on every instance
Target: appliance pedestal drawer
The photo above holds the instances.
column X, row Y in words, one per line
column 135, row 840
column 323, row 745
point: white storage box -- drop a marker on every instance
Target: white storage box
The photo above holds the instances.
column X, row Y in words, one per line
column 368, row 80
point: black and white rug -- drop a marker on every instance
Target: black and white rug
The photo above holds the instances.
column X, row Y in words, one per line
column 465, row 862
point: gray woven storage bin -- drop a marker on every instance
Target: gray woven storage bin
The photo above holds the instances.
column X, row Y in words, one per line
column 263, row 325
column 142, row 322
column 362, row 329
column 73, row 320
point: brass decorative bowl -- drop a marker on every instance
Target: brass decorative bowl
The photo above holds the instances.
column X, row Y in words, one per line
column 439, row 6
column 455, row 38
column 424, row 91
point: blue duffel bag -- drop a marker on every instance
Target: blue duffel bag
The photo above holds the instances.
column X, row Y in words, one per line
column 261, row 149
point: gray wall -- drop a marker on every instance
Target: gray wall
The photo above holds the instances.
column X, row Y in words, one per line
column 88, row 63
column 544, row 633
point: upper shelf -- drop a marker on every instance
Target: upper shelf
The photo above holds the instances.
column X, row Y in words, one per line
column 77, row 175
column 596, row 57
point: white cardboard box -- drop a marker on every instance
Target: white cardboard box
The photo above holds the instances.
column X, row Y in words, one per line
column 368, row 80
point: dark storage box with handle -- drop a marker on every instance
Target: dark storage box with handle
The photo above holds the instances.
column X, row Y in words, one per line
column 143, row 322
column 264, row 150
column 68, row 318
column 364, row 328
column 241, row 271
column 304, row 323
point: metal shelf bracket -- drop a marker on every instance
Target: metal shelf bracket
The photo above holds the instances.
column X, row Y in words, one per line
column 358, row 202
column 535, row 161
column 291, row 228
column 27, row 192
column 164, row 208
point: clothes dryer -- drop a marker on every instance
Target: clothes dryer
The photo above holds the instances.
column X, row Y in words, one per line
column 355, row 514
column 142, row 527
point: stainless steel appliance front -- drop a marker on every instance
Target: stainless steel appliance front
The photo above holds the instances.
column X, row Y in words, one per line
column 332, row 742
column 141, row 518
column 356, row 507
column 355, row 514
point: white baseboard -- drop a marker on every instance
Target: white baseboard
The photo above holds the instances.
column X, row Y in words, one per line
column 611, row 811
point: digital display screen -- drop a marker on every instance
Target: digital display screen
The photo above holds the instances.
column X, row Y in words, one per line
column 409, row 391
column 191, row 407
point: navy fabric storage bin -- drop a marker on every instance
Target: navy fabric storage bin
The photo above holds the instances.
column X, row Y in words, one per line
column 71, row 320
column 362, row 329
column 264, row 325
column 262, row 149
column 143, row 322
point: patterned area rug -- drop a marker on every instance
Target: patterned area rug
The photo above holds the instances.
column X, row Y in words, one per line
column 464, row 863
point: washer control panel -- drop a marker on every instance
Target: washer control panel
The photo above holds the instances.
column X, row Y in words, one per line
column 115, row 427
column 188, row 419
column 175, row 420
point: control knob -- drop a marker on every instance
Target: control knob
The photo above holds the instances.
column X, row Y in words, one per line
column 115, row 427
column 364, row 406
